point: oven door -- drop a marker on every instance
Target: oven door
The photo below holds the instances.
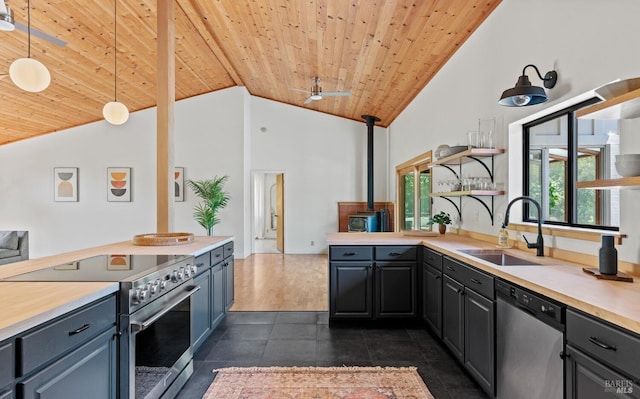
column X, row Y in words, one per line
column 160, row 343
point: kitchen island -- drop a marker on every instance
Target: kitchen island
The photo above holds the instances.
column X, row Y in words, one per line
column 88, row 323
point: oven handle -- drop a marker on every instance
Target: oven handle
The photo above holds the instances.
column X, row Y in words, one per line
column 143, row 325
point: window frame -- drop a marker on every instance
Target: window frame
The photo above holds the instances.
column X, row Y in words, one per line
column 571, row 165
column 415, row 166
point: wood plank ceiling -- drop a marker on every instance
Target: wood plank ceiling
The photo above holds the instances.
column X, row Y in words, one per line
column 383, row 51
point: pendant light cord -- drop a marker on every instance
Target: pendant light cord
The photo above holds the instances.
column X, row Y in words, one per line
column 28, row 29
column 115, row 50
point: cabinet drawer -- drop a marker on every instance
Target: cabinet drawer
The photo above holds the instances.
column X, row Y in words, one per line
column 203, row 262
column 618, row 348
column 228, row 249
column 6, row 364
column 480, row 282
column 355, row 252
column 217, row 255
column 396, row 252
column 432, row 258
column 58, row 336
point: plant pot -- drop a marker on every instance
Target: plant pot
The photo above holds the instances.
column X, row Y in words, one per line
column 442, row 228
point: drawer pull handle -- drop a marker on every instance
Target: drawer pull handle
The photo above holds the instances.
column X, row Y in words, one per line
column 437, row 277
column 79, row 330
column 218, row 255
column 473, row 280
column 348, row 254
column 199, row 265
column 394, row 254
column 601, row 344
column 451, row 268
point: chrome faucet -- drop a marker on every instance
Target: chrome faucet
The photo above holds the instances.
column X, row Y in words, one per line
column 539, row 245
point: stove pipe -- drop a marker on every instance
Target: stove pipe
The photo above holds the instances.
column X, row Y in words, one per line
column 371, row 120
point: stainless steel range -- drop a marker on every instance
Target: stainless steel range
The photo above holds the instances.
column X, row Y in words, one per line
column 154, row 305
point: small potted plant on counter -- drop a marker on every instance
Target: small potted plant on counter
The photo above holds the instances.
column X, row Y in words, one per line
column 442, row 219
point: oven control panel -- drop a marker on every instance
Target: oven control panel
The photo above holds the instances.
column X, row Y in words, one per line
column 156, row 284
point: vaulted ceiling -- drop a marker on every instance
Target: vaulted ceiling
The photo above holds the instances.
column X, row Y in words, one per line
column 383, row 51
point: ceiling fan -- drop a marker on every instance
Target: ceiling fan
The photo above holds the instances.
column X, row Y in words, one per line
column 318, row 94
column 7, row 23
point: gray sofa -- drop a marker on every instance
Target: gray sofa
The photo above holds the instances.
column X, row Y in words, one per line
column 10, row 255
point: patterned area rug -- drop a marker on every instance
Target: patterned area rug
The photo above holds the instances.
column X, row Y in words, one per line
column 318, row 383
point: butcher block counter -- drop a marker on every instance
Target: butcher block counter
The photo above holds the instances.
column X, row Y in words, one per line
column 28, row 304
column 615, row 301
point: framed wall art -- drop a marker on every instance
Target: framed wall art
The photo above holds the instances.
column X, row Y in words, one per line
column 65, row 184
column 178, row 184
column 118, row 184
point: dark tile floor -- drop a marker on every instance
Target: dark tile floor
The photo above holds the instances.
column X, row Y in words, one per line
column 304, row 339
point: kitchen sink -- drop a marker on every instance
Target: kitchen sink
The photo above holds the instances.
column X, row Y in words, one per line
column 498, row 257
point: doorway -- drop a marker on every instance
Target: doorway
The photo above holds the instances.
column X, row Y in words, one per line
column 268, row 212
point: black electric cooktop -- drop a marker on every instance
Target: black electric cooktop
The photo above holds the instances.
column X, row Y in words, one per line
column 102, row 268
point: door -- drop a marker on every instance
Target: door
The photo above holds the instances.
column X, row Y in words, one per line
column 280, row 212
column 396, row 284
column 201, row 310
column 453, row 316
column 432, row 295
column 351, row 289
column 479, row 344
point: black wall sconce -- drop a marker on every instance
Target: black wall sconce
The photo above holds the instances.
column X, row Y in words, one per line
column 523, row 93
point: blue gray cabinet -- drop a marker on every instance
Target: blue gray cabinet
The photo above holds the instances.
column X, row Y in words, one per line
column 201, row 309
column 468, row 326
column 71, row 356
column 217, row 295
column 229, row 275
column 432, row 290
column 367, row 282
column 601, row 360
column 87, row 372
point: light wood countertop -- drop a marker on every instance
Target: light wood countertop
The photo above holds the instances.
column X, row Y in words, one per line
column 28, row 304
column 615, row 301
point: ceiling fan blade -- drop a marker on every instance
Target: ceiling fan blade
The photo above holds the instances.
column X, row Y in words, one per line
column 335, row 93
column 40, row 34
column 308, row 100
column 304, row 91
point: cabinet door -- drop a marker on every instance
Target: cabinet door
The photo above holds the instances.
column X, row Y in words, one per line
column 587, row 378
column 201, row 309
column 396, row 286
column 229, row 293
column 217, row 295
column 432, row 298
column 87, row 372
column 453, row 316
column 479, row 344
column 351, row 290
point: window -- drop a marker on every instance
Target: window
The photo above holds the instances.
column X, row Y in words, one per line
column 561, row 150
column 414, row 193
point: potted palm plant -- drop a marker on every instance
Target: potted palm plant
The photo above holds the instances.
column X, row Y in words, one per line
column 442, row 219
column 213, row 198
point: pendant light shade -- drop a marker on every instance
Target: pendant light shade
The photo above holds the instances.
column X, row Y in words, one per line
column 29, row 74
column 26, row 73
column 114, row 111
column 524, row 94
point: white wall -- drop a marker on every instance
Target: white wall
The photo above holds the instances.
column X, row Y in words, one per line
column 324, row 162
column 209, row 140
column 586, row 41
column 324, row 159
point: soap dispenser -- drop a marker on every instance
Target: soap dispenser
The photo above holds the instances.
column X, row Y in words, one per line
column 608, row 257
column 503, row 238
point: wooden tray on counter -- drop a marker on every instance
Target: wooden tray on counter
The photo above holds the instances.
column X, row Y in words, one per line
column 615, row 277
column 161, row 239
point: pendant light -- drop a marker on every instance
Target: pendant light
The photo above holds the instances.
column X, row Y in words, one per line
column 26, row 73
column 114, row 111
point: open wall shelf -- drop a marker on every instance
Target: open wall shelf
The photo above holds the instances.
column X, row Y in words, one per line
column 624, row 182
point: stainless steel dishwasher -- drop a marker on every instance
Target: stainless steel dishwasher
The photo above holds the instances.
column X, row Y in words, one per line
column 530, row 342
